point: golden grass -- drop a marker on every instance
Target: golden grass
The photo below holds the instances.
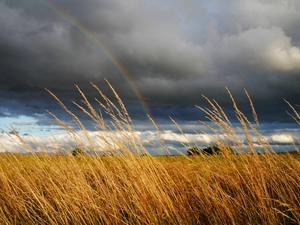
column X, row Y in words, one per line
column 132, row 189
column 149, row 190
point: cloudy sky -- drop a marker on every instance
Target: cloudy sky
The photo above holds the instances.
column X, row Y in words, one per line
column 169, row 52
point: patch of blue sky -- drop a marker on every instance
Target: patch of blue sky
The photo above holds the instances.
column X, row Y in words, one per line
column 25, row 125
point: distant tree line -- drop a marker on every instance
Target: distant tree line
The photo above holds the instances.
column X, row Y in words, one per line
column 211, row 150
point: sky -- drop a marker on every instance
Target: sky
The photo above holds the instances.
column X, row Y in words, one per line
column 160, row 56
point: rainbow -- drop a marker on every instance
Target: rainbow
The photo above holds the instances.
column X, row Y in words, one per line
column 108, row 53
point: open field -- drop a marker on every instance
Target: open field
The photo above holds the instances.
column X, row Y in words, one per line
column 233, row 189
column 149, row 112
column 129, row 186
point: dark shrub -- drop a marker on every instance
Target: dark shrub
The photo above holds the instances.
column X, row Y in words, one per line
column 212, row 150
column 77, row 151
column 207, row 151
column 194, row 151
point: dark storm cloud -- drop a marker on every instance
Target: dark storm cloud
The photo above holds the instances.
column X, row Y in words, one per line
column 192, row 46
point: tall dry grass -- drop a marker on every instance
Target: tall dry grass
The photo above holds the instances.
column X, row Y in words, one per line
column 133, row 187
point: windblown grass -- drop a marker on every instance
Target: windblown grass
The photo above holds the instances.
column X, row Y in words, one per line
column 132, row 187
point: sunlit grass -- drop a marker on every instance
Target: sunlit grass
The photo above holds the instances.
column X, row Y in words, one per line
column 133, row 187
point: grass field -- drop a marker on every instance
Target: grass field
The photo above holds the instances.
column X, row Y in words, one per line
column 236, row 189
column 132, row 187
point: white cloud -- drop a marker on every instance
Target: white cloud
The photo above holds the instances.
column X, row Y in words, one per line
column 113, row 141
column 188, row 138
column 282, row 138
column 283, row 56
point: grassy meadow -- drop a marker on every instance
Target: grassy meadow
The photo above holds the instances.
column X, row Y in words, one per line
column 133, row 187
